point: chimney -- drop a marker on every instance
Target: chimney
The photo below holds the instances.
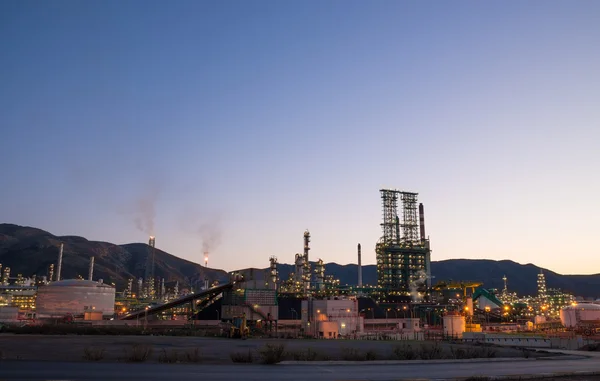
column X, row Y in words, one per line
column 206, row 259
column 422, row 221
column 60, row 254
column 359, row 268
column 91, row 274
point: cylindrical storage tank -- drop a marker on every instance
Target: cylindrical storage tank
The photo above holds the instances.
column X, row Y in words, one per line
column 454, row 325
column 583, row 313
column 75, row 297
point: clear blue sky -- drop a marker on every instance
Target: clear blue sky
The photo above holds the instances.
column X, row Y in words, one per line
column 239, row 124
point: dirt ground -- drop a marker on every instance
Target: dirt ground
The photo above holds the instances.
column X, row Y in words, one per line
column 210, row 350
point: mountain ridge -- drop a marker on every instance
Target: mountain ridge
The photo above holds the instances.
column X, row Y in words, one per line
column 29, row 250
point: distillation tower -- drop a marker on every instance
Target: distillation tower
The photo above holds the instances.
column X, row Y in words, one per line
column 403, row 252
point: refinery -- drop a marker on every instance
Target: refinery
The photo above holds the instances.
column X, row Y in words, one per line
column 404, row 303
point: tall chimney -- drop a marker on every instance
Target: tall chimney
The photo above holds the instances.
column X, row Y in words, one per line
column 206, row 259
column 91, row 274
column 152, row 243
column 60, row 253
column 359, row 268
column 422, row 221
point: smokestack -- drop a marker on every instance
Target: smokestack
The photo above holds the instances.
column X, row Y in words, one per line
column 60, row 254
column 359, row 268
column 422, row 221
column 206, row 259
column 152, row 243
column 91, row 273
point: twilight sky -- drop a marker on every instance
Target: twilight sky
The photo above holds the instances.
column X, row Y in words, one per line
column 236, row 125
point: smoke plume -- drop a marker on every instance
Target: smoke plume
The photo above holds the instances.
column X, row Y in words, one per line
column 205, row 225
column 421, row 278
column 143, row 208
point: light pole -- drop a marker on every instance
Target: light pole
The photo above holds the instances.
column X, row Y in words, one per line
column 295, row 316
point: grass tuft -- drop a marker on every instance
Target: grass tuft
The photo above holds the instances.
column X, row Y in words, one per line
column 168, row 357
column 271, row 353
column 241, row 357
column 138, row 353
column 90, row 354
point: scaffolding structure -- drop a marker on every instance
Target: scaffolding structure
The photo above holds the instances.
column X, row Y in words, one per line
column 403, row 252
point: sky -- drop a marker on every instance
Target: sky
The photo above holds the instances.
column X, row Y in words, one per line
column 234, row 126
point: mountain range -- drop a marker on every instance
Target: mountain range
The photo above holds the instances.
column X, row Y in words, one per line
column 30, row 251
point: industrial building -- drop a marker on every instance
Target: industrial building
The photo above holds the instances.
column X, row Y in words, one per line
column 403, row 253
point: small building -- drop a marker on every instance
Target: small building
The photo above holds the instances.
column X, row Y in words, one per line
column 342, row 313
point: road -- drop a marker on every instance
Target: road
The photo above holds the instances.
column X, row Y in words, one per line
column 79, row 371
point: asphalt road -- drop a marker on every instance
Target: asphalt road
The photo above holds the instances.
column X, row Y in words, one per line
column 73, row 371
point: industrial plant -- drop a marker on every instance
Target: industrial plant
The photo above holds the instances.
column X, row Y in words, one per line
column 307, row 301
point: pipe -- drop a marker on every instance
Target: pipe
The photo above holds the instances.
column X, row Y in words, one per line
column 60, row 254
column 91, row 273
column 359, row 267
column 422, row 221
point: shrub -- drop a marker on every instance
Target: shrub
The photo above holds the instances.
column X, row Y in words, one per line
column 404, row 352
column 308, row 355
column 91, row 354
column 138, row 353
column 430, row 352
column 271, row 353
column 168, row 357
column 193, row 355
column 352, row 354
column 371, row 355
column 241, row 357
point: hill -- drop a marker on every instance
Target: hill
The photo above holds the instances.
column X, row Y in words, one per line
column 30, row 251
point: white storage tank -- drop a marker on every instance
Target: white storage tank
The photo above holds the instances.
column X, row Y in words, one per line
column 75, row 297
column 454, row 325
column 581, row 313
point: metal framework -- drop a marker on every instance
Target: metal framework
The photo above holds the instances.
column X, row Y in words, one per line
column 403, row 254
column 410, row 219
column 390, row 216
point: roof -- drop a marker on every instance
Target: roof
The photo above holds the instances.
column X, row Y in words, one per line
column 583, row 306
column 488, row 295
column 77, row 283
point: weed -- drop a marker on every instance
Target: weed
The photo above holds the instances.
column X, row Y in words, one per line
column 241, row 357
column 371, row 355
column 404, row 352
column 352, row 354
column 307, row 355
column 271, row 353
column 489, row 353
column 193, row 355
column 138, row 353
column 430, row 352
column 91, row 354
column 168, row 357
